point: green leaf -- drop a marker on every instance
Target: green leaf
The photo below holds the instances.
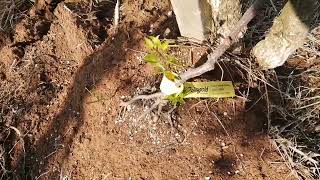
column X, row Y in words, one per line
column 149, row 43
column 151, row 58
column 164, row 45
column 175, row 99
column 156, row 41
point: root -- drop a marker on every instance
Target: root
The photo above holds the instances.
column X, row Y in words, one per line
column 3, row 170
column 16, row 131
column 142, row 97
column 153, row 106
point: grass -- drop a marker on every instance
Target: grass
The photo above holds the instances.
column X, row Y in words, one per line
column 11, row 11
column 292, row 98
column 298, row 137
column 3, row 170
column 292, row 107
column 291, row 94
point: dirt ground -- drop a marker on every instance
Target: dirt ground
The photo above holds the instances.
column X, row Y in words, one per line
column 63, row 73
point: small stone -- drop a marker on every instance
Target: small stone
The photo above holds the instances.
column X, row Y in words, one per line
column 207, row 178
column 225, row 147
column 225, row 113
column 167, row 32
column 151, row 28
column 223, row 144
column 153, row 88
column 237, row 172
column 170, row 13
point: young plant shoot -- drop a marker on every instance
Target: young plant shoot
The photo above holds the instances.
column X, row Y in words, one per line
column 164, row 64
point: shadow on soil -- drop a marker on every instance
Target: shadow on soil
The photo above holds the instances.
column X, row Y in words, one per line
column 55, row 143
column 67, row 123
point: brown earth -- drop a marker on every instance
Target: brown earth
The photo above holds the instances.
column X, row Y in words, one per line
column 63, row 76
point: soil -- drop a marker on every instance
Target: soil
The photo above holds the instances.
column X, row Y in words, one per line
column 64, row 72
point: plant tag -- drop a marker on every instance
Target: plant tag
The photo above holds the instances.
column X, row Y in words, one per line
column 212, row 89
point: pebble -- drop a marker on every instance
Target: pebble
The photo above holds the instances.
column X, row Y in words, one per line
column 167, row 32
column 151, row 28
column 225, row 147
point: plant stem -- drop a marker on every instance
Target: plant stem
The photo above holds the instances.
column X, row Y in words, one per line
column 226, row 42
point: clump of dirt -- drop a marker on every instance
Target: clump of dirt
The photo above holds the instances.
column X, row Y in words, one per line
column 62, row 79
column 30, row 30
column 3, row 39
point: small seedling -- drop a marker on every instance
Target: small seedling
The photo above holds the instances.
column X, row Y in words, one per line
column 164, row 63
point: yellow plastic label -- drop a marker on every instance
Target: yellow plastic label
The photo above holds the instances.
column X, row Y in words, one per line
column 212, row 89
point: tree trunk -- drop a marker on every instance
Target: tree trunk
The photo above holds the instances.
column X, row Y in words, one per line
column 225, row 15
column 287, row 33
column 201, row 18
